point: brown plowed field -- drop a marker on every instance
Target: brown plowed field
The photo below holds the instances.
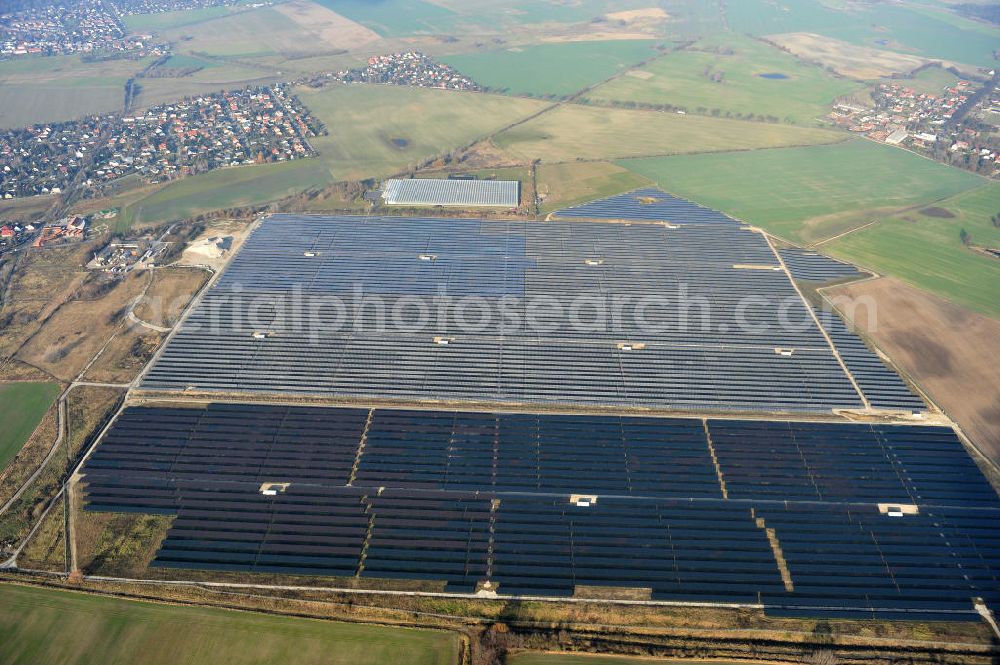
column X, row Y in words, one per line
column 951, row 352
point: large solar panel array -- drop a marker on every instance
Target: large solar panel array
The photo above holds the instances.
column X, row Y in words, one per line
column 883, row 388
column 462, row 193
column 692, row 315
column 815, row 267
column 786, row 514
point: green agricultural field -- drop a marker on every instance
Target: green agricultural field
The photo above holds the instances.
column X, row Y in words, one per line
column 551, row 69
column 494, row 13
column 925, row 249
column 153, row 91
column 259, row 32
column 187, row 61
column 224, row 188
column 789, row 191
column 54, row 89
column 378, row 130
column 570, row 183
column 142, row 23
column 393, row 18
column 882, row 25
column 584, row 132
column 61, row 627
column 726, row 78
column 23, row 405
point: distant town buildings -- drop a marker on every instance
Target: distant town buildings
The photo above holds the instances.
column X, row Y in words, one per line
column 255, row 125
column 86, row 27
column 410, row 68
column 947, row 126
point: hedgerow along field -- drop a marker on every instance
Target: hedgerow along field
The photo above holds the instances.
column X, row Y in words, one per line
column 735, row 75
column 23, row 405
column 925, row 248
column 49, row 626
column 569, row 67
column 785, row 190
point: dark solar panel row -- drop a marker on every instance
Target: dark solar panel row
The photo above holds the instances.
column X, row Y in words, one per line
column 231, row 442
column 881, row 385
column 849, row 558
column 308, row 530
column 847, row 463
column 536, row 453
column 808, row 265
column 151, row 448
column 458, row 499
column 679, row 550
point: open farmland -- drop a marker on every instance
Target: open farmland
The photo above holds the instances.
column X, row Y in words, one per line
column 23, row 406
column 845, row 58
column 331, row 28
column 926, row 250
column 377, row 130
column 139, row 23
column 259, row 32
column 39, row 90
column 551, row 69
column 569, row 183
column 883, row 25
column 96, row 629
column 583, row 132
column 224, row 188
column 210, row 80
column 781, row 190
column 393, row 18
column 727, row 76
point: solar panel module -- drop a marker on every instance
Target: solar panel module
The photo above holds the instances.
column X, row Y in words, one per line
column 687, row 314
column 801, row 518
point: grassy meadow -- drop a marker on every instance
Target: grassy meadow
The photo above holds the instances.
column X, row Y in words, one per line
column 585, row 132
column 724, row 77
column 61, row 627
column 224, row 188
column 24, row 404
column 378, row 130
column 552, row 69
column 789, row 191
column 925, row 249
column 570, row 183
